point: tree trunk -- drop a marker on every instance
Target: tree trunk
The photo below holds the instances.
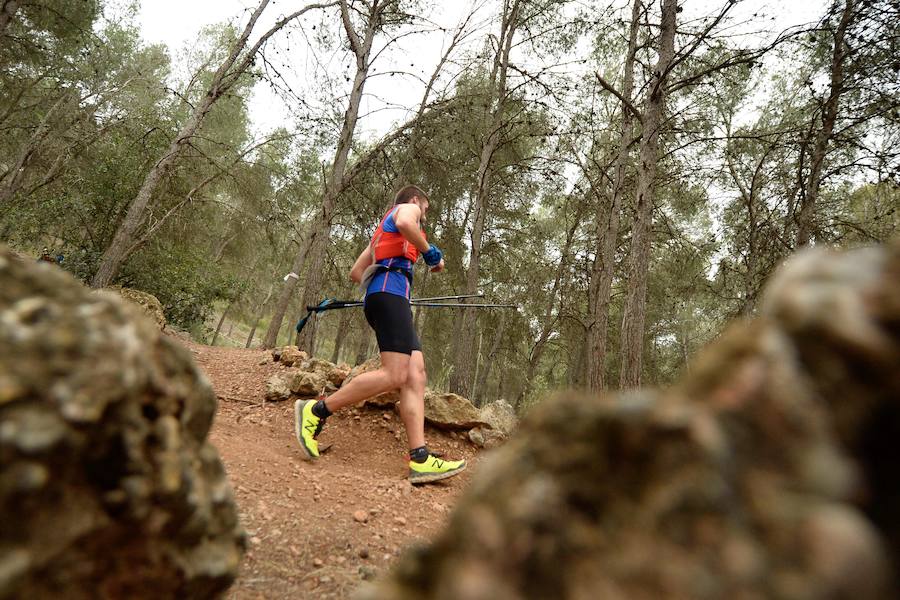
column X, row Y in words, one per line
column 342, row 329
column 221, row 322
column 228, row 73
column 829, row 117
column 362, row 346
column 287, row 291
column 463, row 356
column 15, row 176
column 320, row 233
column 252, row 333
column 489, row 362
column 259, row 314
column 639, row 256
column 608, row 232
column 548, row 321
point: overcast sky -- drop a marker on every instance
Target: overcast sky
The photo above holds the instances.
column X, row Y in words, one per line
column 177, row 24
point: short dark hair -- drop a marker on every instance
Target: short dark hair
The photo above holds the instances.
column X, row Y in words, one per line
column 407, row 193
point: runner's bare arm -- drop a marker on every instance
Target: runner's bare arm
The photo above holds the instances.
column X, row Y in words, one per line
column 407, row 220
column 363, row 261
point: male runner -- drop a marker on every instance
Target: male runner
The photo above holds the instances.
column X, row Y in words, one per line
column 387, row 262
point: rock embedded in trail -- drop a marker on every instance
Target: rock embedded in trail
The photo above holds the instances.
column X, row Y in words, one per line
column 500, row 415
column 108, row 485
column 277, row 389
column 289, row 356
column 767, row 472
column 446, row 410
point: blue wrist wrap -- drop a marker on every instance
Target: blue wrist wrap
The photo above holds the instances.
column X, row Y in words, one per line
column 433, row 256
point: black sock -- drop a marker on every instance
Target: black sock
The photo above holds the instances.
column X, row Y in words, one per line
column 419, row 454
column 320, row 410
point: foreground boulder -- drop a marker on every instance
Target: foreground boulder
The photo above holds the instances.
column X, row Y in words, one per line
column 108, row 486
column 769, row 472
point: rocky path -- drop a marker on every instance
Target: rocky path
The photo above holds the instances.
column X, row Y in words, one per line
column 318, row 530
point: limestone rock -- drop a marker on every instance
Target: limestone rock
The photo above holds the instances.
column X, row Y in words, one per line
column 306, row 384
column 108, row 485
column 500, row 415
column 290, row 356
column 768, row 472
column 486, row 438
column 148, row 304
column 338, row 375
column 277, row 388
column 451, row 411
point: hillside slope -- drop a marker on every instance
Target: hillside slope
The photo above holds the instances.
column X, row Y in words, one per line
column 303, row 519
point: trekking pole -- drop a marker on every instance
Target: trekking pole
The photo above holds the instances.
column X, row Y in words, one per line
column 478, row 295
column 463, row 305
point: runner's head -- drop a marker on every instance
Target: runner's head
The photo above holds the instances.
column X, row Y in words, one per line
column 411, row 194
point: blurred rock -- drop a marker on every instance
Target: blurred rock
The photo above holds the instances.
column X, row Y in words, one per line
column 768, row 472
column 148, row 304
column 108, row 486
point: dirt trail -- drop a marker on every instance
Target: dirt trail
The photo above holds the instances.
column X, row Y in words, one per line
column 305, row 539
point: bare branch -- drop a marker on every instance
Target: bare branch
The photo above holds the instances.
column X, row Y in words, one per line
column 631, row 107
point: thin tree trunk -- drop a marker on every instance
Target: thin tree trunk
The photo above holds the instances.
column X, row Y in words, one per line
column 320, row 232
column 408, row 156
column 548, row 322
column 259, row 314
column 362, row 48
column 461, row 376
column 16, row 174
column 634, row 311
column 252, row 333
column 489, row 361
column 228, row 73
column 829, row 117
column 221, row 322
column 287, row 291
column 608, row 234
column 342, row 329
column 362, row 347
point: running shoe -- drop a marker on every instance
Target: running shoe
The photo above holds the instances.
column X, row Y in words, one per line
column 307, row 427
column 434, row 469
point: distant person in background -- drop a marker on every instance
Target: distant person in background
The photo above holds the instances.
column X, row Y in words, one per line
column 385, row 268
column 46, row 257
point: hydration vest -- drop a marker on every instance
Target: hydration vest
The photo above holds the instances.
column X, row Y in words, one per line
column 389, row 244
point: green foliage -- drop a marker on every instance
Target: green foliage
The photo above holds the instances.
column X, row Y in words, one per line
column 87, row 108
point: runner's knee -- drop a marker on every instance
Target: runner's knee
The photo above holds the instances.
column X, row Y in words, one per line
column 397, row 377
column 417, row 375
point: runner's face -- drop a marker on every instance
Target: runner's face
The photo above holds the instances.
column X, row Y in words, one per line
column 423, row 205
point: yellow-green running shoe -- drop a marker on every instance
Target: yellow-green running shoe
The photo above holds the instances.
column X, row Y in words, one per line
column 434, row 469
column 307, row 427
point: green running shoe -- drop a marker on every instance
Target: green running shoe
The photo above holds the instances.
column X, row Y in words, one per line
column 434, row 469
column 307, row 427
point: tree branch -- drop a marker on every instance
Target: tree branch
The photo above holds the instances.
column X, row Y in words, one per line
column 609, row 88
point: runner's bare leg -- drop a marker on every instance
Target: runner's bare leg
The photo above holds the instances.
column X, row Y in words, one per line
column 412, row 401
column 392, row 375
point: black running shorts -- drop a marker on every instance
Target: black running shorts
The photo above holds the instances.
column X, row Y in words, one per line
column 391, row 318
